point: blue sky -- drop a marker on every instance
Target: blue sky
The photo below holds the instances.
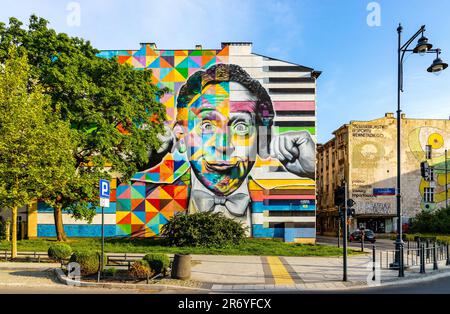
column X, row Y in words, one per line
column 358, row 61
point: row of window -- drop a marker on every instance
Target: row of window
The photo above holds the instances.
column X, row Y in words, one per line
column 428, row 195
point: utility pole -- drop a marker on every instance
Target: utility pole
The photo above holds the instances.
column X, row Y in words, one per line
column 345, row 234
column 339, row 230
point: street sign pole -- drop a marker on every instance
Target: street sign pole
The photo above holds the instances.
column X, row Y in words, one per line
column 345, row 235
column 339, row 231
column 104, row 202
column 103, row 246
column 103, row 238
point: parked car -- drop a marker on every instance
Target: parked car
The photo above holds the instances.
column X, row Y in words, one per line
column 369, row 236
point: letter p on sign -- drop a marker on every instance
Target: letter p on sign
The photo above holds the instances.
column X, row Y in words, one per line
column 104, row 188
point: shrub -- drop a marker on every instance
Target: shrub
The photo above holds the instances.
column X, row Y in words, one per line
column 59, row 251
column 205, row 229
column 435, row 222
column 110, row 271
column 89, row 261
column 158, row 262
column 140, row 270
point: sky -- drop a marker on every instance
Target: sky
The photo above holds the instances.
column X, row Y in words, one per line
column 353, row 46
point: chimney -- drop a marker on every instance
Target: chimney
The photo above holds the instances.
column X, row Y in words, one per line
column 151, row 45
column 239, row 48
column 389, row 115
column 198, row 47
column 403, row 115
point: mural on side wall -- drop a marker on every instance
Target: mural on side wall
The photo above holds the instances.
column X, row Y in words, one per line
column 215, row 142
column 437, row 140
column 228, row 147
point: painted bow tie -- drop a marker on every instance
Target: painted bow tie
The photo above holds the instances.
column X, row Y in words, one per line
column 236, row 203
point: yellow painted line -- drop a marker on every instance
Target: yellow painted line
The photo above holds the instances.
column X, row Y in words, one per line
column 279, row 272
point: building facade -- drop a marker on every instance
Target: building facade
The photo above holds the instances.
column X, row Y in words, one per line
column 364, row 154
column 259, row 106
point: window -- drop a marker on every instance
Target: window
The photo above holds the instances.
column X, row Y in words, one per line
column 428, row 152
column 429, row 195
column 431, row 177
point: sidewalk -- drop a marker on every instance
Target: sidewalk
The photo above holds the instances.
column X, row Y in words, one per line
column 253, row 273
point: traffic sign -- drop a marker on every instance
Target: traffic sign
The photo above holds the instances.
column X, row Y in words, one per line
column 350, row 202
column 104, row 188
column 104, row 202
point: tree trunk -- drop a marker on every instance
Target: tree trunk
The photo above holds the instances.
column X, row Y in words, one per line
column 8, row 230
column 14, row 233
column 60, row 234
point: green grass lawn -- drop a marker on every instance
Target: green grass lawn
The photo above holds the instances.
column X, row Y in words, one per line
column 264, row 247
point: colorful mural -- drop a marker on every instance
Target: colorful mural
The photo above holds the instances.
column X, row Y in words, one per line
column 232, row 145
column 437, row 139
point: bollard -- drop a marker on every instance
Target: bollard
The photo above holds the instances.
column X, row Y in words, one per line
column 362, row 241
column 181, row 268
column 435, row 263
column 422, row 258
column 401, row 272
column 373, row 262
column 448, row 256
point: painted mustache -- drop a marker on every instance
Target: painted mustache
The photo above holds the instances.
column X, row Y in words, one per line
column 222, row 166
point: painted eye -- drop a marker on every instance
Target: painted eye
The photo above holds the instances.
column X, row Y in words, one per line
column 207, row 127
column 241, row 128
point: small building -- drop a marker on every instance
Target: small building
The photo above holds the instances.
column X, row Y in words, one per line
column 364, row 154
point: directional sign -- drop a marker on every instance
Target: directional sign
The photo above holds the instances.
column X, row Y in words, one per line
column 104, row 188
column 383, row 191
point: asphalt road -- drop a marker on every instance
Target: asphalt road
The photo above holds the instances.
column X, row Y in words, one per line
column 383, row 244
column 438, row 286
column 84, row 290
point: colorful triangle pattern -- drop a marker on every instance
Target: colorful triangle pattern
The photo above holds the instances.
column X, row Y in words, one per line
column 156, row 194
column 170, row 66
column 146, row 207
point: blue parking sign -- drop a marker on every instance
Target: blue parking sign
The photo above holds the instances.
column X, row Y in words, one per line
column 104, row 188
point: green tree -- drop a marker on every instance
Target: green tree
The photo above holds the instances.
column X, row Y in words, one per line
column 111, row 107
column 436, row 221
column 35, row 146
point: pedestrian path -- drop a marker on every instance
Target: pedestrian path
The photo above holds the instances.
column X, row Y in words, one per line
column 218, row 273
column 250, row 273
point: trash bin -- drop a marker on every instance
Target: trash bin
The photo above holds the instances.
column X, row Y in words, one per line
column 181, row 267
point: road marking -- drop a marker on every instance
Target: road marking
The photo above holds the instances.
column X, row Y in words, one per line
column 280, row 274
column 295, row 276
column 268, row 278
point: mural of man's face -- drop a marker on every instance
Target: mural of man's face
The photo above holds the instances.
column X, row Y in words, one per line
column 221, row 136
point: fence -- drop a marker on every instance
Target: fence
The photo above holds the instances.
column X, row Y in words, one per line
column 113, row 259
column 416, row 253
column 29, row 256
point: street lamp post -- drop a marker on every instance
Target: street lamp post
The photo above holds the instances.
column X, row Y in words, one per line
column 422, row 47
column 446, row 181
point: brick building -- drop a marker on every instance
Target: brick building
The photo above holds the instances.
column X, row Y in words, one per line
column 363, row 153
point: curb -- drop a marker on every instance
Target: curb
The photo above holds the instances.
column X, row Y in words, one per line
column 230, row 288
column 70, row 282
column 431, row 277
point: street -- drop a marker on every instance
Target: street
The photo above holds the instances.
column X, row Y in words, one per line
column 438, row 286
column 383, row 244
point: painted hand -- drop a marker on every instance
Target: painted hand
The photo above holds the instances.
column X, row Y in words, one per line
column 296, row 151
